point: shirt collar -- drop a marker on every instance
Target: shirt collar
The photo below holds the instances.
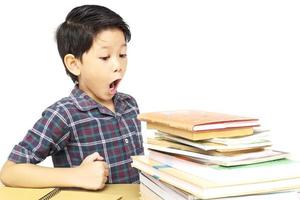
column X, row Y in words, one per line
column 81, row 100
column 85, row 103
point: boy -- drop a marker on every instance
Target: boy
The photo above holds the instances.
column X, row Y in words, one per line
column 92, row 133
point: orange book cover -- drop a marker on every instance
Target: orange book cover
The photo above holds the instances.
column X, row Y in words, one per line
column 201, row 135
column 193, row 120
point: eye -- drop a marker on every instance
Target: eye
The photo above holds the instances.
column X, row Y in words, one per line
column 105, row 58
column 123, row 55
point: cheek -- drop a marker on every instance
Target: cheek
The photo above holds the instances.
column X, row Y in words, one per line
column 98, row 72
column 99, row 77
column 124, row 66
column 94, row 77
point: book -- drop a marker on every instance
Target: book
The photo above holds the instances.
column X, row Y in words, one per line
column 207, row 181
column 201, row 135
column 206, row 190
column 110, row 192
column 242, row 159
column 288, row 195
column 151, row 186
column 170, row 144
column 174, row 145
column 9, row 193
column 259, row 172
column 70, row 194
column 207, row 145
column 193, row 120
column 164, row 190
column 148, row 194
column 258, row 136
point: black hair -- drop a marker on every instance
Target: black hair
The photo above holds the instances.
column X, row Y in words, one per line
column 76, row 34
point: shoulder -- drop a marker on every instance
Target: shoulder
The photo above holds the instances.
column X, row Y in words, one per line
column 61, row 109
column 62, row 104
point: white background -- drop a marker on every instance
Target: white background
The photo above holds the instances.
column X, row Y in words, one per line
column 239, row 57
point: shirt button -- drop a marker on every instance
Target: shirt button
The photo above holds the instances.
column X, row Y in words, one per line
column 126, row 141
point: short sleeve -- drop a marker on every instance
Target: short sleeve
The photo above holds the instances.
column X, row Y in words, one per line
column 49, row 135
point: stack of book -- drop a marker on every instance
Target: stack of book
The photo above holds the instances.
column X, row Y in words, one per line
column 205, row 155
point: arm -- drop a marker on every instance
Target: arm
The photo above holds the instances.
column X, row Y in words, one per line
column 91, row 174
column 49, row 135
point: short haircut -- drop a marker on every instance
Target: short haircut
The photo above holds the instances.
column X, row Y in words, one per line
column 77, row 33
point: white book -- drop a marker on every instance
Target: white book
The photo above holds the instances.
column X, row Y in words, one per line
column 290, row 195
column 204, row 145
column 281, row 169
column 164, row 190
column 215, row 192
column 147, row 194
column 152, row 183
column 258, row 136
column 242, row 159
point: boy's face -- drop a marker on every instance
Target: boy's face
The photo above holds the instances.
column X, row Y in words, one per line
column 103, row 66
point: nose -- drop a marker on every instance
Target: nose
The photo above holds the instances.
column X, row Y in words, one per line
column 117, row 68
column 116, row 65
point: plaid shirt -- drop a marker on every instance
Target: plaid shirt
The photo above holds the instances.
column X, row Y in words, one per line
column 77, row 126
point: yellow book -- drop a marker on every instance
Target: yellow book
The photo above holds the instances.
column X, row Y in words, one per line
column 10, row 193
column 175, row 145
column 110, row 192
column 235, row 143
column 165, row 143
column 201, row 135
column 193, row 120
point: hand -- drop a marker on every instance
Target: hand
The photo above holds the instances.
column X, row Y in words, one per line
column 92, row 173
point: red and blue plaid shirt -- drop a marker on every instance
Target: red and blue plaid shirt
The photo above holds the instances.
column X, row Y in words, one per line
column 78, row 126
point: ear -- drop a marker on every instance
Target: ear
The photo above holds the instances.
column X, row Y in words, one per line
column 72, row 64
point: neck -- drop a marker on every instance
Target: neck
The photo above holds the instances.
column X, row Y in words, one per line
column 110, row 105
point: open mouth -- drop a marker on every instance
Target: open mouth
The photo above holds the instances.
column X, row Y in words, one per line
column 114, row 85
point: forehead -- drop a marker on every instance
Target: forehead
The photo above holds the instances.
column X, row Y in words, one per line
column 109, row 38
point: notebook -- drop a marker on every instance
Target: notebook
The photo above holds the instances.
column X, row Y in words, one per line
column 110, row 192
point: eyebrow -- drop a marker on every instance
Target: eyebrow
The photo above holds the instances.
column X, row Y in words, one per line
column 106, row 47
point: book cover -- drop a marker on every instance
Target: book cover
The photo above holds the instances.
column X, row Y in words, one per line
column 11, row 193
column 193, row 120
column 110, row 192
column 201, row 135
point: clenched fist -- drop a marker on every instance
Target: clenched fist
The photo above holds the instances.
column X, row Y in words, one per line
column 92, row 173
